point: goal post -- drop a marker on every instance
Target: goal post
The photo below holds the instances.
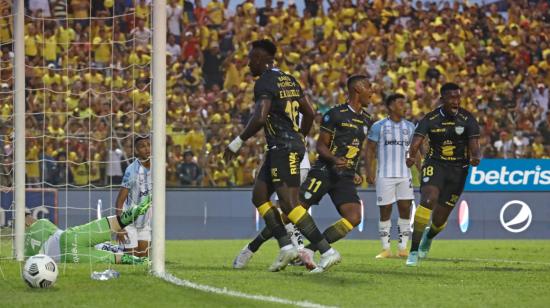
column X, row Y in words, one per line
column 159, row 135
column 19, row 115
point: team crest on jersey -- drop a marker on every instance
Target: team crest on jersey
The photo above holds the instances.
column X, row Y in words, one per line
column 307, row 195
column 426, row 179
column 405, row 131
column 326, row 118
column 459, row 130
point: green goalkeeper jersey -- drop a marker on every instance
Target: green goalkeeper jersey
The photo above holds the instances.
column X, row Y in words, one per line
column 37, row 234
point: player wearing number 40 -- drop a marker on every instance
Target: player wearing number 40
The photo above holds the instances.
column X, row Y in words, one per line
column 279, row 100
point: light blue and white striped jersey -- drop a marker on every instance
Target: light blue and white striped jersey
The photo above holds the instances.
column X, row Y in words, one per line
column 393, row 141
column 137, row 179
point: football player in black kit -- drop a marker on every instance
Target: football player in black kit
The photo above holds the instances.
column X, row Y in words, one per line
column 453, row 136
column 343, row 130
column 278, row 101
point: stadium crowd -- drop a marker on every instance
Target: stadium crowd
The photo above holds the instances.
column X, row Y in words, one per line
column 88, row 77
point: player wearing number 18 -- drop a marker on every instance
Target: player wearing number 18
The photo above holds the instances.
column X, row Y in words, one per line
column 279, row 101
column 453, row 136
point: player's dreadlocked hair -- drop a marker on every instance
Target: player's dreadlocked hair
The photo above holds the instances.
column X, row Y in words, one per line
column 353, row 79
column 449, row 86
column 266, row 45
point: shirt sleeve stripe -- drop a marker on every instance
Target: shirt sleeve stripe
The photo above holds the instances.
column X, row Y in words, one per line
column 328, row 130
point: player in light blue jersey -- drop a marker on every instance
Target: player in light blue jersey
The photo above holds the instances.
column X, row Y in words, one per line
column 136, row 185
column 389, row 140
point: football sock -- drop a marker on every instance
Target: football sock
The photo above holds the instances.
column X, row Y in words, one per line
column 261, row 238
column 304, row 222
column 404, row 230
column 336, row 232
column 274, row 223
column 384, row 228
column 421, row 219
column 434, row 230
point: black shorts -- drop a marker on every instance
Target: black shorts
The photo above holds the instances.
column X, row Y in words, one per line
column 341, row 189
column 449, row 178
column 281, row 166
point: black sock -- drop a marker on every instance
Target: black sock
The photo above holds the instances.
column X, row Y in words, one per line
column 275, row 224
column 416, row 237
column 434, row 230
column 336, row 232
column 307, row 226
column 261, row 238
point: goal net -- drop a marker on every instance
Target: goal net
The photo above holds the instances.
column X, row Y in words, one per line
column 88, row 94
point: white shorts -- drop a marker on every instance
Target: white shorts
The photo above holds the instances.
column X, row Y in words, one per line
column 135, row 235
column 303, row 177
column 390, row 190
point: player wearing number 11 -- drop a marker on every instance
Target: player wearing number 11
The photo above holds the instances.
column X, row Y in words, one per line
column 279, row 100
column 454, row 144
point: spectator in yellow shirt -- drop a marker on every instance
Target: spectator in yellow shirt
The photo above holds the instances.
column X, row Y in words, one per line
column 215, row 11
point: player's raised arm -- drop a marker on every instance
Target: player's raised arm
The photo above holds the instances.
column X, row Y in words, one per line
column 307, row 115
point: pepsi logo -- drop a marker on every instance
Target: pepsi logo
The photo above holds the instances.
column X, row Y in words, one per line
column 515, row 216
column 463, row 216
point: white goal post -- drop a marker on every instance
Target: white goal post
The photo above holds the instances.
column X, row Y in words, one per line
column 159, row 135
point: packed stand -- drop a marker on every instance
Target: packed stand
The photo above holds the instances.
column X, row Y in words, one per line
column 88, row 79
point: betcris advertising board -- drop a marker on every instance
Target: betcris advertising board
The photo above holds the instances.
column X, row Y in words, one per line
column 510, row 175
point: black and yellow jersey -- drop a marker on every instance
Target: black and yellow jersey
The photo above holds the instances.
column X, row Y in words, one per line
column 448, row 135
column 282, row 129
column 348, row 129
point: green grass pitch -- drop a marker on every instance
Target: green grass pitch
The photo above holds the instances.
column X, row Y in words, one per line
column 488, row 273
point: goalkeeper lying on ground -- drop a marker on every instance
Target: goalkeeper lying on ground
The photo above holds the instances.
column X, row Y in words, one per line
column 76, row 244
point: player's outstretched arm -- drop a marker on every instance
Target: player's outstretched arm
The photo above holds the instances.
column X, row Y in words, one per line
column 323, row 143
column 256, row 122
column 415, row 146
column 308, row 115
column 475, row 151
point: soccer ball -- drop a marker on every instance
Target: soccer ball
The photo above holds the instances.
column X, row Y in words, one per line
column 40, row 271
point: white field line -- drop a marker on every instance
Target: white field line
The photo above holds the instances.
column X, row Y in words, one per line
column 224, row 291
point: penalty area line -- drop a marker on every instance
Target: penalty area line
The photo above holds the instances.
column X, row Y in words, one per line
column 224, row 291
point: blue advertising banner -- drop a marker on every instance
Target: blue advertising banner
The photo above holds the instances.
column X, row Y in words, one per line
column 510, row 175
column 228, row 214
column 41, row 202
